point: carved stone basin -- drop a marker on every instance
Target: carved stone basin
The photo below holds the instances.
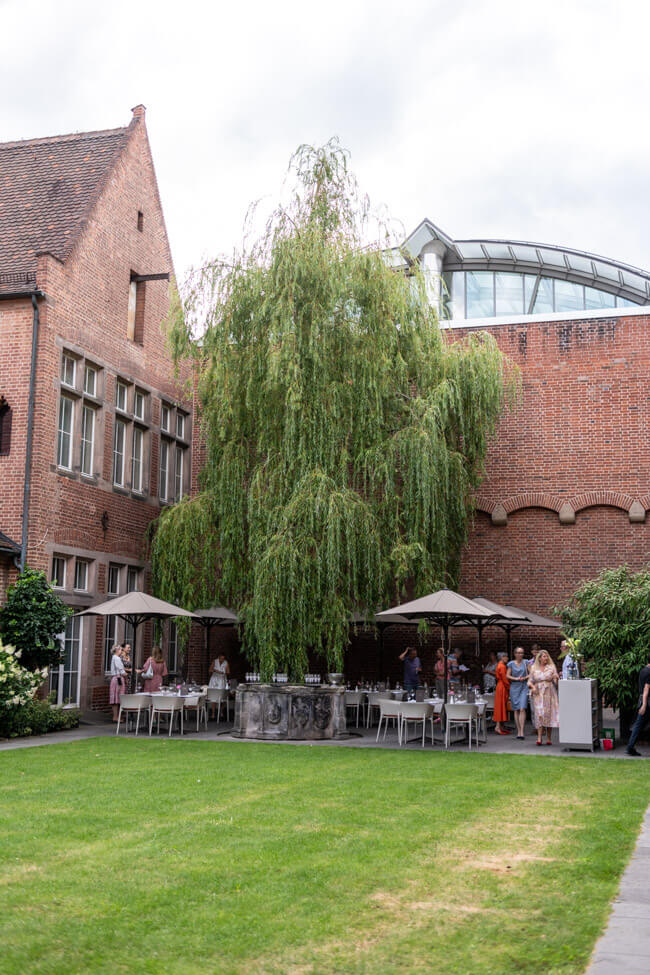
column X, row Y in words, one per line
column 281, row 711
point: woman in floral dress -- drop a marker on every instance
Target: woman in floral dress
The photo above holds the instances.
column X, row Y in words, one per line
column 542, row 683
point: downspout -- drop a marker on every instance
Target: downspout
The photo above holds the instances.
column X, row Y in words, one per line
column 30, row 429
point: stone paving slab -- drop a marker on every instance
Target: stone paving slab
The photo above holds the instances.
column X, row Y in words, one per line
column 624, row 948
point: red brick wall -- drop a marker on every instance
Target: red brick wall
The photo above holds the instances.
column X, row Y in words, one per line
column 579, row 437
column 86, row 312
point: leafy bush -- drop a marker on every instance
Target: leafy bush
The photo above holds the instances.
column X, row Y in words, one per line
column 36, row 718
column 610, row 615
column 31, row 618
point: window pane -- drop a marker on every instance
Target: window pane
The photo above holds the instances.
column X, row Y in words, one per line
column 480, row 294
column 179, row 474
column 87, row 439
column 132, row 579
column 72, row 646
column 624, row 302
column 110, row 638
column 598, row 299
column 509, row 290
column 544, row 299
column 180, row 425
column 164, row 469
column 120, row 397
column 64, row 446
column 569, row 296
column 136, row 458
column 529, row 287
column 138, row 405
column 90, row 381
column 458, row 295
column 113, row 580
column 81, row 576
column 58, row 572
column 118, row 453
column 164, row 417
column 68, row 370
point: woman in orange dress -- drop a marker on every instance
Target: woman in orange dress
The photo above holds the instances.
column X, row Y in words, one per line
column 501, row 695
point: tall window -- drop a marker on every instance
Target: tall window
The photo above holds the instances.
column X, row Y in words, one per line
column 132, row 576
column 164, row 469
column 118, row 452
column 138, row 404
column 164, row 417
column 180, row 425
column 110, row 629
column 178, row 472
column 5, row 427
column 136, row 460
column 87, row 439
column 58, row 572
column 64, row 444
column 64, row 679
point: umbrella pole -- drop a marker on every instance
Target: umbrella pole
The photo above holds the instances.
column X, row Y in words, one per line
column 509, row 642
column 445, row 647
column 381, row 651
column 134, row 653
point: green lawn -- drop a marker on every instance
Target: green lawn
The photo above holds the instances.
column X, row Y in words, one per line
column 202, row 857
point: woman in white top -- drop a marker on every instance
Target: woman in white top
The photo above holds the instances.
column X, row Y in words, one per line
column 118, row 681
column 219, row 672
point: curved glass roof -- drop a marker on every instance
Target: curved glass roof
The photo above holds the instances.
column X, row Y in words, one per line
column 629, row 285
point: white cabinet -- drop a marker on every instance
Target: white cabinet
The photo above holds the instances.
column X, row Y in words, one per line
column 580, row 714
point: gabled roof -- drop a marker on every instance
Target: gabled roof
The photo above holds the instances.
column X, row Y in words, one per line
column 8, row 545
column 47, row 189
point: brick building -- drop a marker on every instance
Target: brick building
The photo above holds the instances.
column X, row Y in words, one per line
column 95, row 433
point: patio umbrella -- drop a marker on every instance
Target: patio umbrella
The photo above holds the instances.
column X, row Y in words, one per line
column 528, row 619
column 373, row 619
column 215, row 616
column 135, row 608
column 444, row 608
column 504, row 616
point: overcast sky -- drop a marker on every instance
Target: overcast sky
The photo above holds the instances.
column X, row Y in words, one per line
column 492, row 118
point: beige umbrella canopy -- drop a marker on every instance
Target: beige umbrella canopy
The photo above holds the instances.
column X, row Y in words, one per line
column 215, row 616
column 136, row 608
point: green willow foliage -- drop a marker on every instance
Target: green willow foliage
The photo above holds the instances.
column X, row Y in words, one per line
column 344, row 435
column 610, row 615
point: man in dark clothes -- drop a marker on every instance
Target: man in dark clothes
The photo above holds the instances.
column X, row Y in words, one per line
column 644, row 712
column 412, row 668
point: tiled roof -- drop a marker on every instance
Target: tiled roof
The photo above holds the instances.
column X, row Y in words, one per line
column 47, row 188
column 8, row 545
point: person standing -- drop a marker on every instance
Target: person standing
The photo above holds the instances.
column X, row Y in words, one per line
column 158, row 668
column 412, row 669
column 542, row 683
column 489, row 673
column 518, row 675
column 643, row 713
column 439, row 672
column 219, row 672
column 118, row 681
column 501, row 695
column 568, row 663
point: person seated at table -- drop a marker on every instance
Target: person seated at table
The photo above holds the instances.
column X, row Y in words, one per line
column 501, row 695
column 412, row 669
column 489, row 673
column 159, row 668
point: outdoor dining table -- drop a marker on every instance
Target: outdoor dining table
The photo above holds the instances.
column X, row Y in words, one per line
column 438, row 707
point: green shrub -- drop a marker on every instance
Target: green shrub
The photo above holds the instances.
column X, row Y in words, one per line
column 36, row 718
column 31, row 618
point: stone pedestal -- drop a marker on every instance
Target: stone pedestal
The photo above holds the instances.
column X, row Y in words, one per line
column 289, row 711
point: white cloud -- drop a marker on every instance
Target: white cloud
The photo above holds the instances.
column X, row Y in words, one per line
column 491, row 117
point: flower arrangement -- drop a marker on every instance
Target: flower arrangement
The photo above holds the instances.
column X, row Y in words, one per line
column 17, row 684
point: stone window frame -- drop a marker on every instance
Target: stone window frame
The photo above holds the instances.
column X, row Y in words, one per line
column 175, row 442
column 132, row 421
column 77, row 393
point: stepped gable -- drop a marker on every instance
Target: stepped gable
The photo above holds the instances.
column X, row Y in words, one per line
column 47, row 189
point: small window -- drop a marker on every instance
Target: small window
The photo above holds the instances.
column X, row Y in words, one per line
column 64, row 443
column 68, row 370
column 81, row 576
column 138, row 404
column 140, row 221
column 5, row 427
column 90, row 381
column 136, row 460
column 164, row 469
column 87, row 439
column 113, row 586
column 132, row 575
column 118, row 453
column 121, row 396
column 164, row 418
column 58, row 572
column 180, row 425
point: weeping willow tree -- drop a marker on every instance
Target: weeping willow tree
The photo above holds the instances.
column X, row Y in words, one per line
column 345, row 437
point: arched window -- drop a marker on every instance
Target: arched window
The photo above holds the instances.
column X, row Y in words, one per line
column 5, row 426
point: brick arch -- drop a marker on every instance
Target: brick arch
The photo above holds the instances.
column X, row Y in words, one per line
column 532, row 499
column 597, row 499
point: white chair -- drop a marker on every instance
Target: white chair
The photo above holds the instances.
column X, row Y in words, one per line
column 133, row 704
column 372, row 704
column 415, row 712
column 354, row 699
column 197, row 704
column 489, row 704
column 457, row 715
column 389, row 709
column 435, row 717
column 169, row 706
column 219, row 696
column 481, row 724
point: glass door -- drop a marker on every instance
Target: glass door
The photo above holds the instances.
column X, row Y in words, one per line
column 65, row 679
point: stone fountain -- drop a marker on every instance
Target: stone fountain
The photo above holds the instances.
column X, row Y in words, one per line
column 290, row 711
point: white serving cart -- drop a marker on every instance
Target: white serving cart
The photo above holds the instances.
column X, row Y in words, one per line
column 580, row 714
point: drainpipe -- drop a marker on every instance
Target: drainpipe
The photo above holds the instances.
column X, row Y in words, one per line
column 35, row 295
